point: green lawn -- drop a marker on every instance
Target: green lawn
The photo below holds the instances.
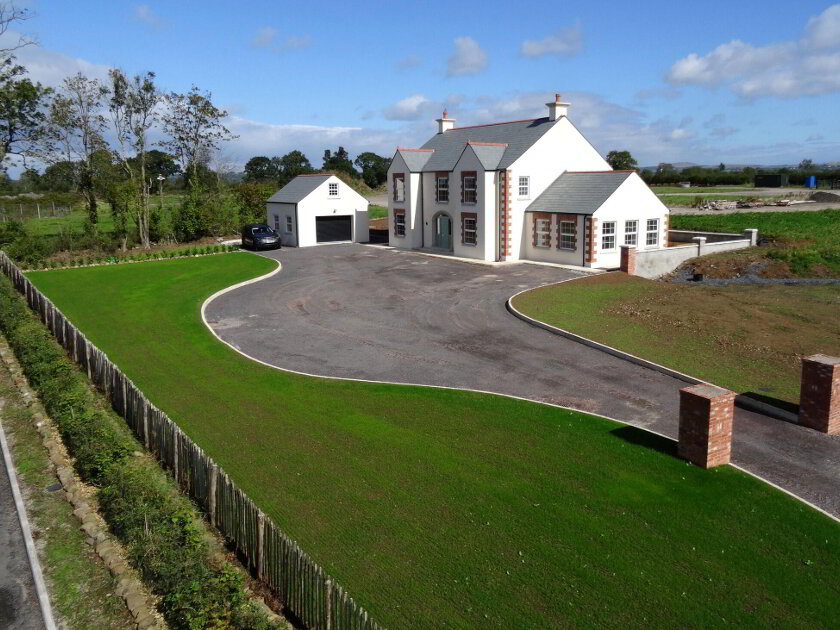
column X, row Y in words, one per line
column 803, row 240
column 441, row 508
column 377, row 212
column 746, row 338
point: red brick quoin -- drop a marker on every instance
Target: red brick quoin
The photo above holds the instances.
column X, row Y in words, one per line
column 705, row 434
column 819, row 397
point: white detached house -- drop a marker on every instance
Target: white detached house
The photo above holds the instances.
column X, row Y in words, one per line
column 520, row 190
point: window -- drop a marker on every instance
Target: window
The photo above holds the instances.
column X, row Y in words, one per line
column 399, row 187
column 289, row 225
column 399, row 223
column 442, row 188
column 524, row 187
column 568, row 233
column 333, row 189
column 542, row 231
column 652, row 237
column 608, row 235
column 468, row 188
column 631, row 231
column 277, row 222
column 469, row 228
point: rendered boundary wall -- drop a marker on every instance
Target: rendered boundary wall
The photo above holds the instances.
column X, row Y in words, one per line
column 301, row 584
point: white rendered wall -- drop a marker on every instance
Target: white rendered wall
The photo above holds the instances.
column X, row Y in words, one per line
column 283, row 210
column 562, row 148
column 633, row 200
column 412, row 205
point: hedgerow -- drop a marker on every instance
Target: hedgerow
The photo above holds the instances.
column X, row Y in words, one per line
column 160, row 528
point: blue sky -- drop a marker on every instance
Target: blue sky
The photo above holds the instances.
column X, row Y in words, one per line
column 711, row 82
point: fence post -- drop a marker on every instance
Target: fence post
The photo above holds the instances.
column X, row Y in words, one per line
column 328, row 611
column 260, row 559
column 211, row 495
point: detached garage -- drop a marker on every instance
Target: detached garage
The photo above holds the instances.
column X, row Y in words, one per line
column 319, row 208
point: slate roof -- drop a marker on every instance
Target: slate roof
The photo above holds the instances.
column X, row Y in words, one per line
column 489, row 155
column 579, row 192
column 415, row 160
column 519, row 135
column 298, row 188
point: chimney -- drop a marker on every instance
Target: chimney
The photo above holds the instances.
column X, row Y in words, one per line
column 446, row 123
column 558, row 108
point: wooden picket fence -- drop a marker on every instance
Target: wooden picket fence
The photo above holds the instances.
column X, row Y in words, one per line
column 303, row 586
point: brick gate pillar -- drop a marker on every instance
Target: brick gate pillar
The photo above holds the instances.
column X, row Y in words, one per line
column 705, row 434
column 628, row 260
column 819, row 397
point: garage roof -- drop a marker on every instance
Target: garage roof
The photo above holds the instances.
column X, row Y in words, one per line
column 299, row 188
column 579, row 192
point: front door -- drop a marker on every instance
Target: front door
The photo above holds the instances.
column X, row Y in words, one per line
column 443, row 232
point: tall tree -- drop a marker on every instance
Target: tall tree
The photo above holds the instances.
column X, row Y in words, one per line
column 75, row 130
column 339, row 161
column 22, row 111
column 621, row 161
column 261, row 169
column 194, row 129
column 374, row 168
column 132, row 106
column 804, row 165
column 291, row 165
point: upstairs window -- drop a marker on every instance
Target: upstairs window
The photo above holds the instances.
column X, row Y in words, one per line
column 469, row 228
column 631, row 232
column 399, row 223
column 399, row 187
column 542, row 232
column 652, row 237
column 524, row 187
column 469, row 194
column 288, row 225
column 442, row 188
column 568, row 235
column 608, row 235
column 333, row 189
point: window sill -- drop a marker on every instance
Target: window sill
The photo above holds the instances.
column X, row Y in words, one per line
column 523, row 199
column 567, row 249
column 399, row 235
column 543, row 246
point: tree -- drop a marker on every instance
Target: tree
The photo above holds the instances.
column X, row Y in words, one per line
column 195, row 129
column 340, row 161
column 22, row 111
column 58, row 177
column 805, row 165
column 621, row 161
column 721, row 166
column 665, row 167
column 261, row 169
column 132, row 106
column 158, row 163
column 374, row 168
column 291, row 165
column 75, row 129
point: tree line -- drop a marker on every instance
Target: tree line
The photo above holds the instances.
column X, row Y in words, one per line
column 371, row 168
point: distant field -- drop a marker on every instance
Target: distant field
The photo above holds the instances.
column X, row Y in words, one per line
column 808, row 243
column 450, row 509
column 690, row 200
column 377, row 212
column 700, row 190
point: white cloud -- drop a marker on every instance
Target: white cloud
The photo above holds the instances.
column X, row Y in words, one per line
column 808, row 66
column 408, row 62
column 567, row 42
column 468, row 58
column 144, row 13
column 51, row 68
column 409, row 108
column 264, row 37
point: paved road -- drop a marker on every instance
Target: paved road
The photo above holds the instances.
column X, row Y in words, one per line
column 19, row 608
column 375, row 313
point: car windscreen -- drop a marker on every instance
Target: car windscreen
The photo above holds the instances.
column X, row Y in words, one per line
column 264, row 231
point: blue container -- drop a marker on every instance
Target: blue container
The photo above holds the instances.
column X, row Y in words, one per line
column 810, row 181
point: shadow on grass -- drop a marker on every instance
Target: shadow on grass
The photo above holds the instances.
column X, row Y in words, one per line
column 646, row 439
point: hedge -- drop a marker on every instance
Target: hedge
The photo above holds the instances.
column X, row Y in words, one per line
column 160, row 528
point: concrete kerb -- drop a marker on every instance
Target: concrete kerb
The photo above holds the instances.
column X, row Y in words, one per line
column 692, row 380
column 742, row 401
column 29, row 543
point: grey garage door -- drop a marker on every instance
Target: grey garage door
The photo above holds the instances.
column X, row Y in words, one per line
column 328, row 229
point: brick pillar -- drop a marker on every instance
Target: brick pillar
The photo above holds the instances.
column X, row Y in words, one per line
column 705, row 434
column 628, row 259
column 819, row 396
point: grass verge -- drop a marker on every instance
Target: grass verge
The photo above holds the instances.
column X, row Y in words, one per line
column 747, row 338
column 81, row 587
column 807, row 243
column 161, row 531
column 377, row 212
column 444, row 508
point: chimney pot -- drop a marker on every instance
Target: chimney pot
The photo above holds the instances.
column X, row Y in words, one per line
column 445, row 123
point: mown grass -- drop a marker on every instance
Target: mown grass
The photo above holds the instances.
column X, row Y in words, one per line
column 80, row 585
column 449, row 509
column 377, row 212
column 803, row 240
column 745, row 338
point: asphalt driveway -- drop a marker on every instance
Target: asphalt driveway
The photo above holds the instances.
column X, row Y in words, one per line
column 376, row 313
